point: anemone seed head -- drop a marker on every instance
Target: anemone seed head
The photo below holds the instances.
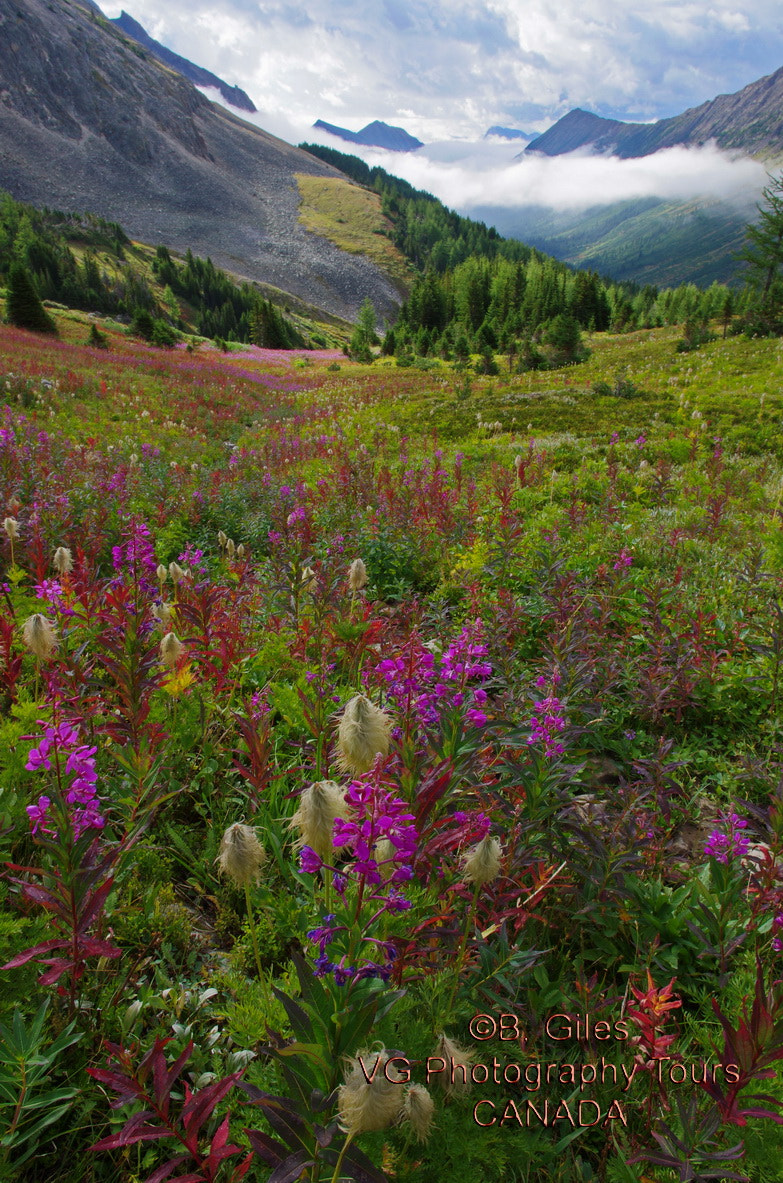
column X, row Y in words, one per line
column 241, row 855
column 319, row 807
column 362, row 735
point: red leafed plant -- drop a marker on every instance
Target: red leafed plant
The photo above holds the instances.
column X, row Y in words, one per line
column 151, row 1083
column 749, row 1051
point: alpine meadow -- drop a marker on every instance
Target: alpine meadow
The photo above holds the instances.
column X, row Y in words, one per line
column 391, row 666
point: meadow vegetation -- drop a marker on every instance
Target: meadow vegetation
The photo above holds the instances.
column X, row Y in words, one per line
column 342, row 704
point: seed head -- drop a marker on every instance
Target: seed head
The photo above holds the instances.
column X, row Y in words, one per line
column 176, row 572
column 418, row 1109
column 63, row 560
column 357, row 575
column 373, row 1104
column 11, row 527
column 309, row 580
column 241, row 551
column 481, row 864
column 319, row 806
column 162, row 613
column 230, row 547
column 171, row 649
column 162, row 573
column 362, row 735
column 241, row 855
column 40, row 636
column 222, row 539
column 456, row 1076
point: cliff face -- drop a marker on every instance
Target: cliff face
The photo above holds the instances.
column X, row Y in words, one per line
column 90, row 120
column 750, row 121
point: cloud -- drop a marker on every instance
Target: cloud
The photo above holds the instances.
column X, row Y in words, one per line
column 486, row 174
column 459, row 66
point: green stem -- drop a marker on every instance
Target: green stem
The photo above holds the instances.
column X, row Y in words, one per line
column 346, row 1144
column 461, row 952
column 261, row 975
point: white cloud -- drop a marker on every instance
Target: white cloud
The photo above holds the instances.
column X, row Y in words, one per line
column 455, row 67
column 468, row 175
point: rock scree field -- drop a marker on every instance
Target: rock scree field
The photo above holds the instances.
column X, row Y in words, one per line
column 391, row 764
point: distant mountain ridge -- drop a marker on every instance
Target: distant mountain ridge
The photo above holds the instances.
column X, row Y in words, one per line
column 375, row 135
column 197, row 74
column 750, row 121
column 508, row 133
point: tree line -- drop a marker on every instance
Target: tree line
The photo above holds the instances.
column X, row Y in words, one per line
column 38, row 262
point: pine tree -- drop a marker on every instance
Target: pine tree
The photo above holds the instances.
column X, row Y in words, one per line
column 23, row 305
column 764, row 256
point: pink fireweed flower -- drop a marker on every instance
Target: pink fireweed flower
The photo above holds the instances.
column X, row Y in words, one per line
column 545, row 725
column 61, row 751
column 625, row 560
column 730, row 844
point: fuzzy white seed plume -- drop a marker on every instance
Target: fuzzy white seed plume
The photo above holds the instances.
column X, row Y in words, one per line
column 63, row 560
column 481, row 864
column 222, row 539
column 171, row 649
column 241, row 551
column 40, row 636
column 369, row 1104
column 162, row 613
column 230, row 547
column 176, row 572
column 241, row 855
column 319, row 806
column 362, row 735
column 357, row 575
column 455, row 1077
column 418, row 1109
column 309, row 580
column 162, row 573
column 11, row 527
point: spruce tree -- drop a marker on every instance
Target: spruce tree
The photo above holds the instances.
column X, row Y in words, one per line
column 23, row 305
column 764, row 255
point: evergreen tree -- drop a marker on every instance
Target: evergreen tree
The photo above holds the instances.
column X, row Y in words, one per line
column 23, row 304
column 364, row 335
column 764, row 255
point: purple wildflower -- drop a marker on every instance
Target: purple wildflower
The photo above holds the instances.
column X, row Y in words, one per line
column 730, row 844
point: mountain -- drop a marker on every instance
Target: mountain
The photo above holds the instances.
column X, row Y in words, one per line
column 644, row 240
column 750, row 121
column 374, row 135
column 90, row 120
column 197, row 74
column 508, row 133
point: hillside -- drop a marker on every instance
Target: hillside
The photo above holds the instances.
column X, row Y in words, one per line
column 645, row 240
column 89, row 120
column 750, row 121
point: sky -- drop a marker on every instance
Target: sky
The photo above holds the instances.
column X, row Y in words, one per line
column 447, row 70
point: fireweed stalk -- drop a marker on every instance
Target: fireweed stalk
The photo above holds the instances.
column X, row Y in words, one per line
column 67, row 823
column 379, row 839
